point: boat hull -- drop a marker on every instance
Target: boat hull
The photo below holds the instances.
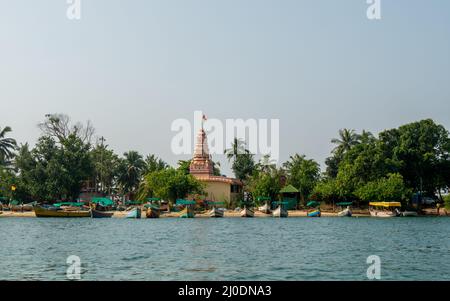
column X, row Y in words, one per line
column 43, row 212
column 315, row 213
column 215, row 212
column 152, row 213
column 246, row 212
column 376, row 213
column 346, row 212
column 280, row 212
column 134, row 213
column 187, row 212
column 101, row 214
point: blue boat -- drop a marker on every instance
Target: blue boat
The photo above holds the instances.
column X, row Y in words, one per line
column 134, row 213
column 315, row 213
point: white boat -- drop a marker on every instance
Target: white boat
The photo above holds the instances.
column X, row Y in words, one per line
column 345, row 212
column 265, row 209
column 216, row 212
column 383, row 213
column 247, row 212
column 280, row 212
column 384, row 209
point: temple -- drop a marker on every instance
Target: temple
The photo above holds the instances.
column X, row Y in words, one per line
column 218, row 188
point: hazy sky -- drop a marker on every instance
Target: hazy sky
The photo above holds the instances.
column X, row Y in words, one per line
column 132, row 67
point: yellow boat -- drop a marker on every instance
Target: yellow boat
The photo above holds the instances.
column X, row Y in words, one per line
column 47, row 212
column 384, row 209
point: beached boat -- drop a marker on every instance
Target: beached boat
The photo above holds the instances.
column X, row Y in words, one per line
column 134, row 213
column 280, row 212
column 346, row 212
column 58, row 212
column 315, row 213
column 187, row 212
column 189, row 208
column 101, row 214
column 247, row 212
column 384, row 209
column 265, row 209
column 216, row 212
column 152, row 212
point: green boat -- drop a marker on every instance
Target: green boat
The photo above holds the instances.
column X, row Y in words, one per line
column 188, row 211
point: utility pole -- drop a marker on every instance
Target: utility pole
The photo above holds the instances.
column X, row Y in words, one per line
column 102, row 140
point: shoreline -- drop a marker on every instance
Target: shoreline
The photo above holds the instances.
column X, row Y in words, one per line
column 232, row 214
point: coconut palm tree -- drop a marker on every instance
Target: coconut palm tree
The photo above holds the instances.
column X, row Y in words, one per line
column 7, row 145
column 347, row 139
column 266, row 164
column 130, row 171
column 237, row 148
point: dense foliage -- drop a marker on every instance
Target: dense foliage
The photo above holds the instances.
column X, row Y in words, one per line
column 390, row 166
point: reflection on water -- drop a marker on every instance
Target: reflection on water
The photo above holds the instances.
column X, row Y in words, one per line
column 225, row 249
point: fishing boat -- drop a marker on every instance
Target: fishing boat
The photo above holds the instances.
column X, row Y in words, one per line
column 247, row 212
column 153, row 208
column 152, row 212
column 188, row 210
column 266, row 207
column 101, row 214
column 280, row 212
column 384, row 209
column 216, row 212
column 316, row 211
column 345, row 212
column 134, row 213
column 40, row 211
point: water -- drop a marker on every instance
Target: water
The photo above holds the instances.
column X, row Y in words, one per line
column 225, row 249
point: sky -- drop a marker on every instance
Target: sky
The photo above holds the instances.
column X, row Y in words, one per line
column 133, row 67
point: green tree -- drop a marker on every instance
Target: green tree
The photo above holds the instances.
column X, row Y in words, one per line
column 106, row 166
column 7, row 146
column 130, row 171
column 153, row 163
column 54, row 171
column 169, row 184
column 243, row 166
column 184, row 166
column 303, row 174
column 387, row 189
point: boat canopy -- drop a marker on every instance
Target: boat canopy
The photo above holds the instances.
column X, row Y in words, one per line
column 185, row 202
column 153, row 206
column 385, row 204
column 105, row 202
column 72, row 204
column 313, row 204
column 153, row 199
column 343, row 204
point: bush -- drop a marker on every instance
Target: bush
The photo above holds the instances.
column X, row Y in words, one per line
column 447, row 202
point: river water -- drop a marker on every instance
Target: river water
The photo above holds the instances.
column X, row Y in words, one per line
column 225, row 249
